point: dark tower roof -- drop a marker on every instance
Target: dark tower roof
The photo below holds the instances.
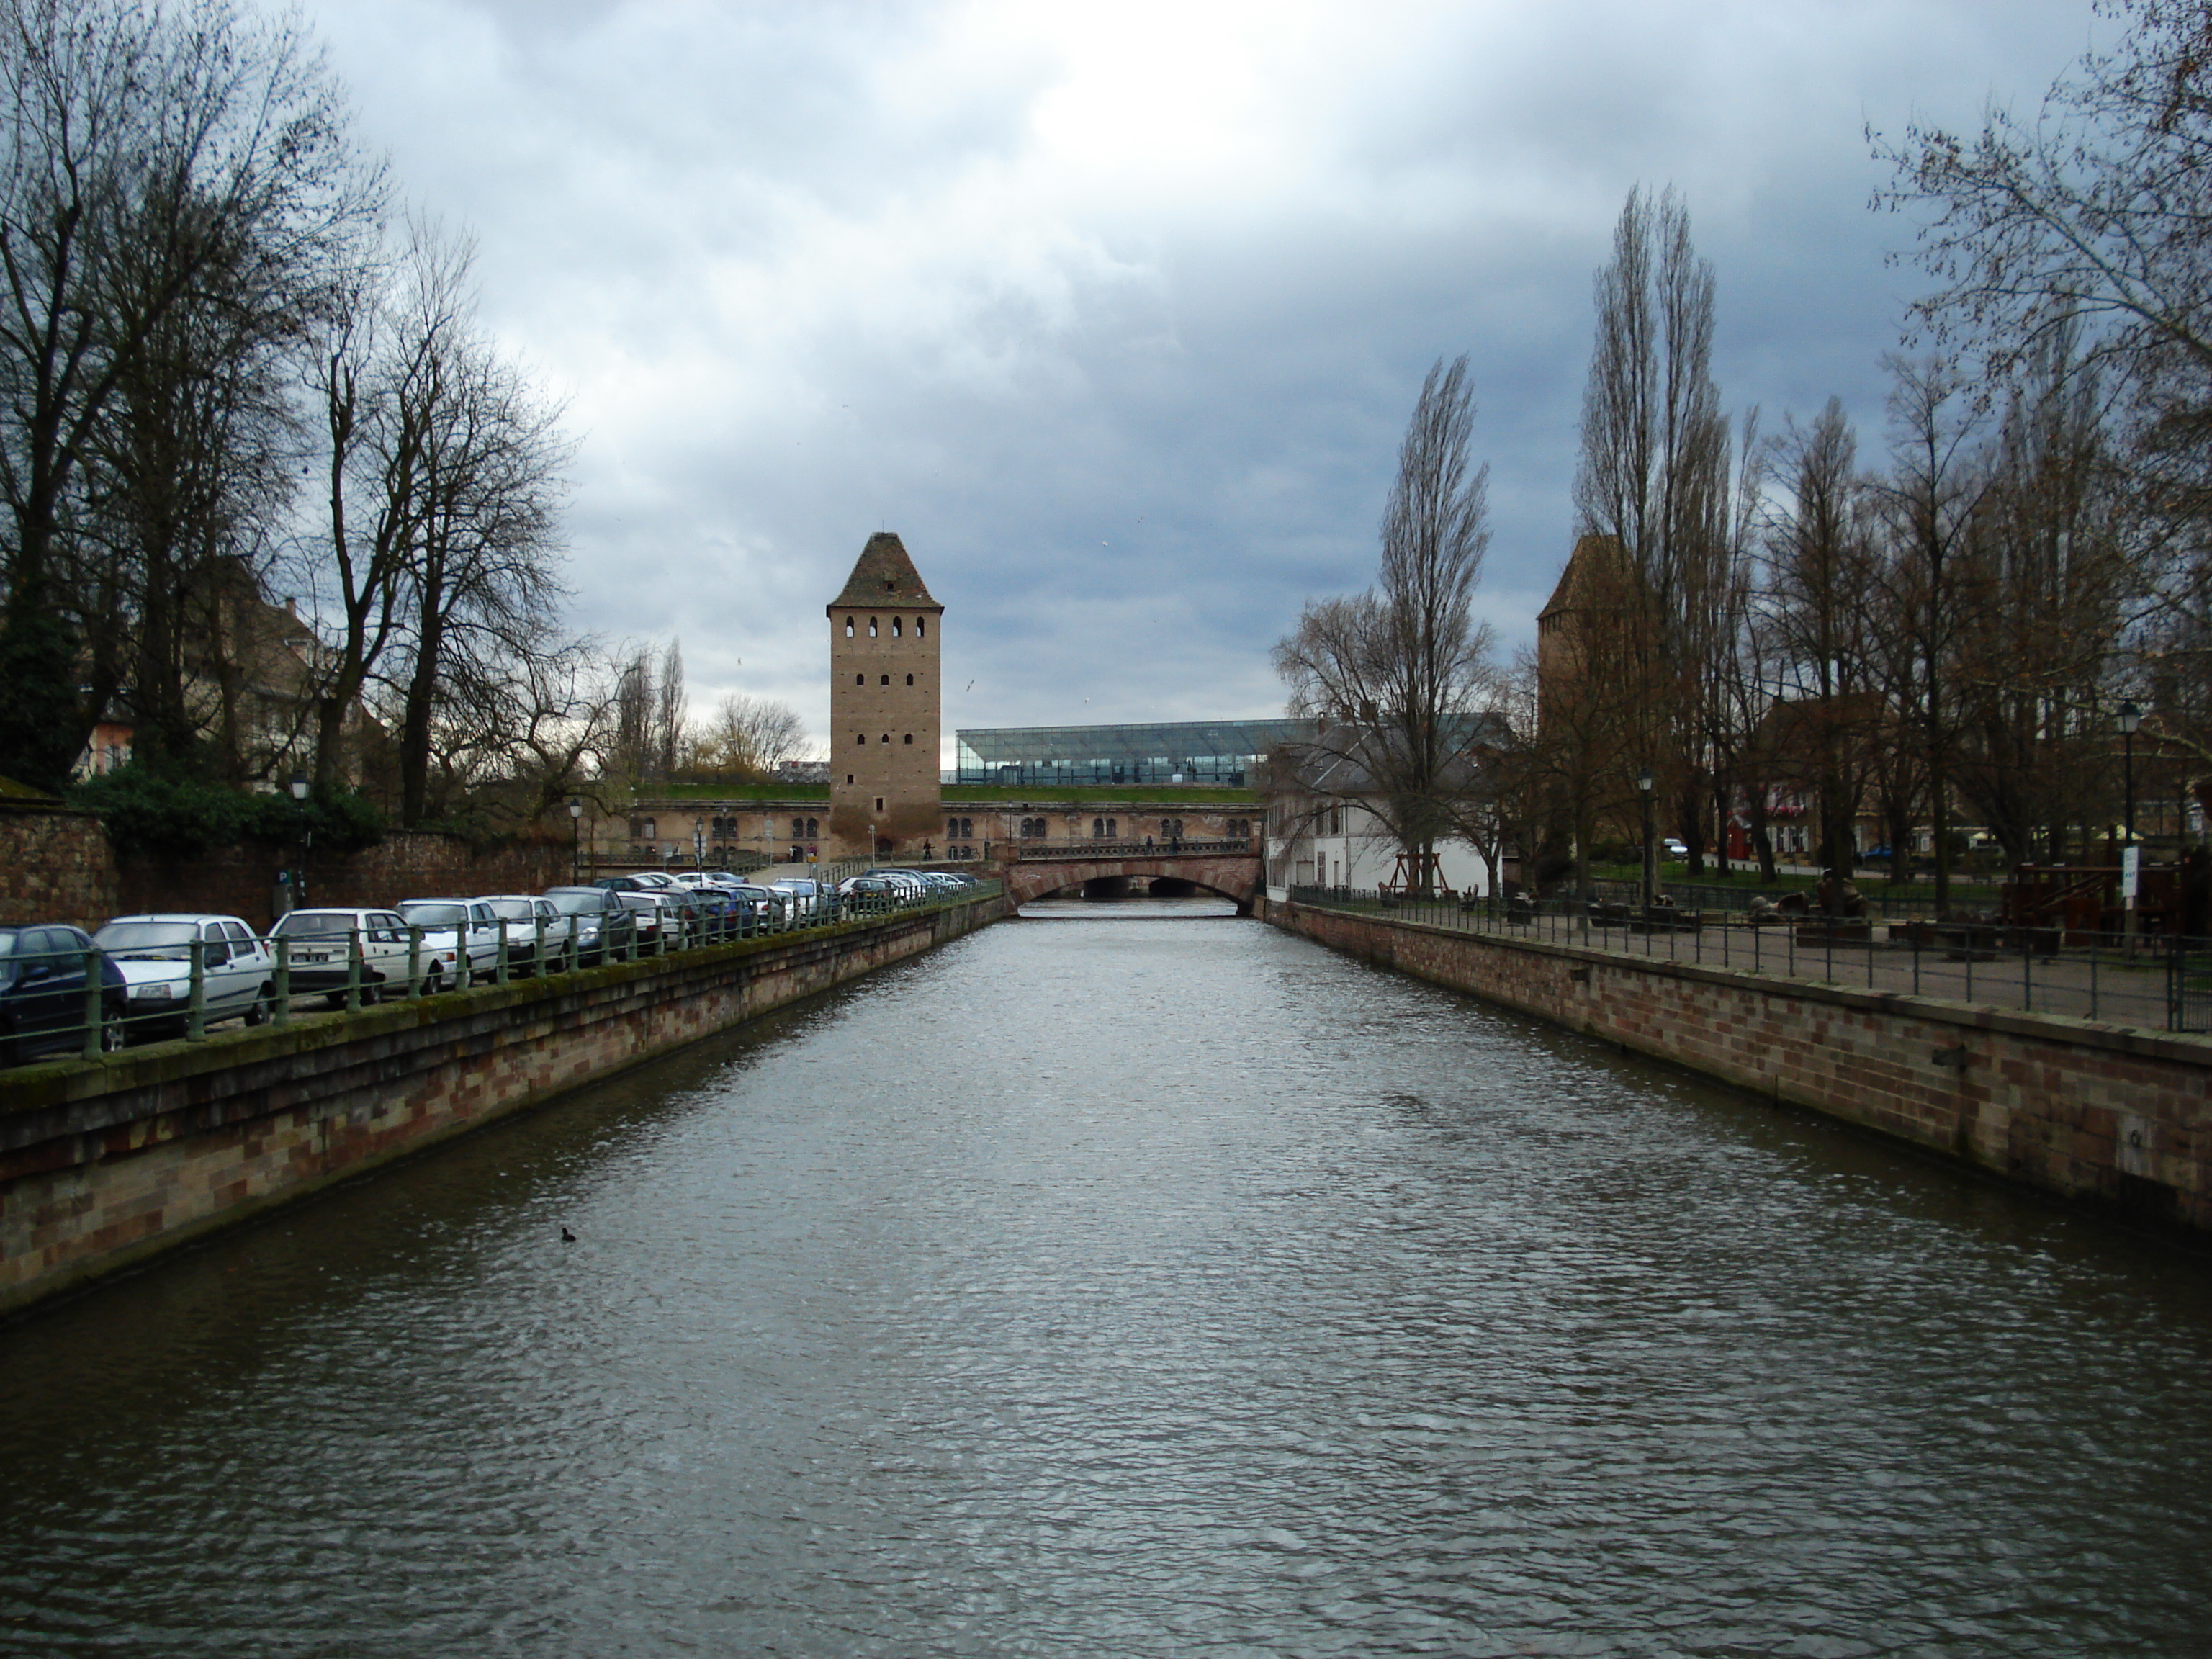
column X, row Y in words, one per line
column 885, row 577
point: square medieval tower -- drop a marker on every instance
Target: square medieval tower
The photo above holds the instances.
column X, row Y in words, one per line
column 885, row 706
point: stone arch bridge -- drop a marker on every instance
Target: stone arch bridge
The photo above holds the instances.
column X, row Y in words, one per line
column 1037, row 869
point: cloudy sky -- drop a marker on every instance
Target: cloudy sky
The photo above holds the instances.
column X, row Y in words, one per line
column 1115, row 312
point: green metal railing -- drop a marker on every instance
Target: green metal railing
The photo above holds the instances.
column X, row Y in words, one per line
column 61, row 1003
column 2152, row 981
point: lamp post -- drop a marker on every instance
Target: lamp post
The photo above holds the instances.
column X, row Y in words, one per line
column 307, row 829
column 699, row 846
column 1644, row 782
column 575, row 841
column 2129, row 717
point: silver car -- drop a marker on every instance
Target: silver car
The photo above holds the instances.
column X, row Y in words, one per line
column 323, row 942
column 155, row 951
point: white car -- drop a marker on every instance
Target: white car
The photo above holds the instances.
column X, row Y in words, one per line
column 322, row 942
column 530, row 922
column 806, row 894
column 465, row 929
column 237, row 976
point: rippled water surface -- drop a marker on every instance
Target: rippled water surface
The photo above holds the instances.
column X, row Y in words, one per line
column 1124, row 1283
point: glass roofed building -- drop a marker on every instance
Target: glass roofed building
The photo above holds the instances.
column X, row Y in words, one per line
column 1175, row 752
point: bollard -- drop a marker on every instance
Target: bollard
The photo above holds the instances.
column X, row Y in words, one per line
column 284, row 1009
column 414, row 962
column 196, row 1009
column 93, row 1024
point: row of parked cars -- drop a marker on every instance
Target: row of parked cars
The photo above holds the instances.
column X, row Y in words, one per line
column 146, row 966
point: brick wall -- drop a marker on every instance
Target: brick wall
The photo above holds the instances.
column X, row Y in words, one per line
column 59, row 865
column 105, row 1163
column 56, row 866
column 2103, row 1113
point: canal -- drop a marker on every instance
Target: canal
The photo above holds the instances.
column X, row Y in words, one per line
column 1128, row 1280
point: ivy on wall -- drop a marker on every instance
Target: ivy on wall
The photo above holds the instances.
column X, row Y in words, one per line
column 151, row 815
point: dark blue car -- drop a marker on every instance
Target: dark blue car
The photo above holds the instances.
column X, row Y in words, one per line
column 42, row 991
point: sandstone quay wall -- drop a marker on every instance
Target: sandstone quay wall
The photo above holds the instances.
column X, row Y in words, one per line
column 2107, row 1113
column 103, row 1164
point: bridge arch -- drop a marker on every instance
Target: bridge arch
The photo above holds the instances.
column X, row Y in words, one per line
column 1235, row 877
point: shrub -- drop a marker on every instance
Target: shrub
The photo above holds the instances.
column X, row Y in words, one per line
column 155, row 815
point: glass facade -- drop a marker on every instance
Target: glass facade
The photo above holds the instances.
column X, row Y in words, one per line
column 1177, row 751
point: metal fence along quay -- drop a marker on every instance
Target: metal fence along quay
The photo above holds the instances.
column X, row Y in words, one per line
column 62, row 1004
column 2154, row 982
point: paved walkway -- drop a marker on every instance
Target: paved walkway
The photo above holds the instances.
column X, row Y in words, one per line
column 2107, row 984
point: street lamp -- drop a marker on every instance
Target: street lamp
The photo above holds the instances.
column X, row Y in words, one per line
column 1644, row 782
column 575, row 841
column 698, row 845
column 307, row 826
column 2129, row 717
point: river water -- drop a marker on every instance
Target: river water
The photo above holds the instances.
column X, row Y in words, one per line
column 1129, row 1280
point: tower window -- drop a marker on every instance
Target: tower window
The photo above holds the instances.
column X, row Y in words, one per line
column 917, row 628
column 872, row 628
column 849, row 776
column 848, row 628
column 887, row 680
column 909, row 739
column 886, row 737
column 861, row 738
column 879, row 803
column 860, row 680
column 896, row 631
column 909, row 680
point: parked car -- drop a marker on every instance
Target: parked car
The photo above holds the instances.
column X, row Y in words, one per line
column 155, row 952
column 1673, row 847
column 808, row 897
column 532, row 923
column 664, row 921
column 43, row 988
column 322, row 944
column 461, row 935
column 603, row 923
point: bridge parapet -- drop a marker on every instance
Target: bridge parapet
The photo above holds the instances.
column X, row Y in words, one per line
column 1062, row 852
column 1233, row 869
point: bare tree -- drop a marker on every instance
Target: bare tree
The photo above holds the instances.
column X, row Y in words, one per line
column 1394, row 677
column 482, row 572
column 670, row 735
column 1653, row 478
column 1820, row 559
column 750, row 736
column 154, row 155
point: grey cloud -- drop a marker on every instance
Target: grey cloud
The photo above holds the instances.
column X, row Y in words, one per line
column 808, row 271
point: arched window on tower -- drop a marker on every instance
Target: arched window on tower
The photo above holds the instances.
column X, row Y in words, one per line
column 887, row 680
column 848, row 628
column 861, row 738
column 909, row 739
column 909, row 680
column 917, row 628
column 872, row 628
column 860, row 680
column 886, row 737
column 897, row 632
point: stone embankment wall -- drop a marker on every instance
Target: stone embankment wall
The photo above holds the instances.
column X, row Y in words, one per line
column 2104, row 1113
column 105, row 1163
column 57, row 865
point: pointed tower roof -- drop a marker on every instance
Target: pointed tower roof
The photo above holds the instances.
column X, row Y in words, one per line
column 885, row 577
